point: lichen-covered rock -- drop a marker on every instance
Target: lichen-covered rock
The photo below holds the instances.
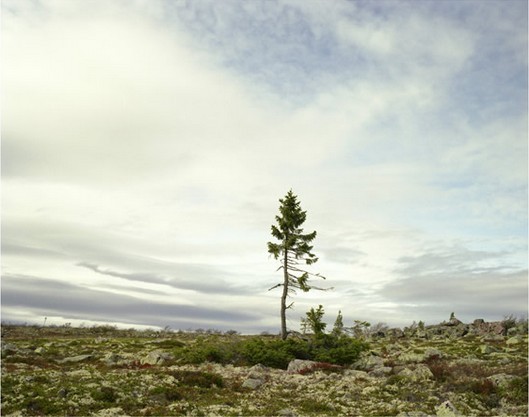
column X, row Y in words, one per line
column 78, row 358
column 381, row 371
column 156, row 357
column 252, row 383
column 286, row 412
column 446, row 409
column 501, row 380
column 515, row 340
column 419, row 373
column 368, row 363
column 298, row 365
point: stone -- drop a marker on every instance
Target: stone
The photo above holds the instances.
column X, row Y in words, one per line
column 381, row 371
column 40, row 350
column 113, row 359
column 252, row 383
column 411, row 357
column 516, row 340
column 419, row 373
column 110, row 412
column 353, row 373
column 486, row 349
column 299, row 365
column 9, row 348
column 286, row 412
column 73, row 359
column 432, row 353
column 156, row 357
column 446, row 409
column 368, row 363
column 492, row 338
column 501, row 381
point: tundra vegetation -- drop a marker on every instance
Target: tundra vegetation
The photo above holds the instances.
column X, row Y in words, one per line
column 447, row 369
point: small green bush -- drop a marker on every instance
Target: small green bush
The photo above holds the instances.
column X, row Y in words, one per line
column 337, row 350
column 105, row 394
column 198, row 379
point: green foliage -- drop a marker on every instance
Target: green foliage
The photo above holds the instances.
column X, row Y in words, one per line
column 293, row 248
column 338, row 350
column 338, row 327
column 322, row 348
column 209, row 349
column 104, row 394
column 314, row 321
column 274, row 353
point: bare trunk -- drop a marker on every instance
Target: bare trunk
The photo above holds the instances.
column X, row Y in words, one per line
column 284, row 298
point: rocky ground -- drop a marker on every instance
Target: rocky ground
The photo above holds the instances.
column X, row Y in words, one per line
column 446, row 370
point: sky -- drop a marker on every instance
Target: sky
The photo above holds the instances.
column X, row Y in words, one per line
column 146, row 145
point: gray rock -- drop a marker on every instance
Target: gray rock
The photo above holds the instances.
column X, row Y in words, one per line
column 492, row 338
column 78, row 358
column 9, row 348
column 501, row 381
column 516, row 340
column 419, row 373
column 381, row 371
column 431, row 353
column 286, row 412
column 368, row 363
column 252, row 383
column 356, row 374
column 411, row 357
column 446, row 409
column 113, row 359
column 487, row 349
column 299, row 365
column 156, row 357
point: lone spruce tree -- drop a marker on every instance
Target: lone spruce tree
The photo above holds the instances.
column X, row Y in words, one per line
column 292, row 249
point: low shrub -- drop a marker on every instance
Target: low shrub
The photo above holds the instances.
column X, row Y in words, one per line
column 332, row 349
column 198, row 379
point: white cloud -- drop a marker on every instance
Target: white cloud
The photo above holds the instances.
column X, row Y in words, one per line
column 153, row 141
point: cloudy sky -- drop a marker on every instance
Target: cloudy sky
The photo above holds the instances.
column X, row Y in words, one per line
column 145, row 145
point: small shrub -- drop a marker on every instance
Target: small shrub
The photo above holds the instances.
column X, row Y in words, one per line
column 439, row 368
column 198, row 379
column 517, row 391
column 105, row 394
column 170, row 394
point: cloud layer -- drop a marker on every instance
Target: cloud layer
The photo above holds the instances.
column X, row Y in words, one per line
column 145, row 146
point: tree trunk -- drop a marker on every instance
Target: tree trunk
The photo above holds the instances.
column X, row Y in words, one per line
column 284, row 298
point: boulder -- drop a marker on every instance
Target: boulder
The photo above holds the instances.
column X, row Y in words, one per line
column 368, row 363
column 9, row 348
column 297, row 366
column 419, row 373
column 381, row 371
column 487, row 349
column 78, row 358
column 515, row 340
column 501, row 381
column 113, row 359
column 156, row 357
column 252, row 383
column 446, row 409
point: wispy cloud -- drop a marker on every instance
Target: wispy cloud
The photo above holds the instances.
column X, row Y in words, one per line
column 146, row 143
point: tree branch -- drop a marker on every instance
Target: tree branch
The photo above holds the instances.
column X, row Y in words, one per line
column 275, row 286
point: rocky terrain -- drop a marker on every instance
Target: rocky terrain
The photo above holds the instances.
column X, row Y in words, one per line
column 477, row 369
